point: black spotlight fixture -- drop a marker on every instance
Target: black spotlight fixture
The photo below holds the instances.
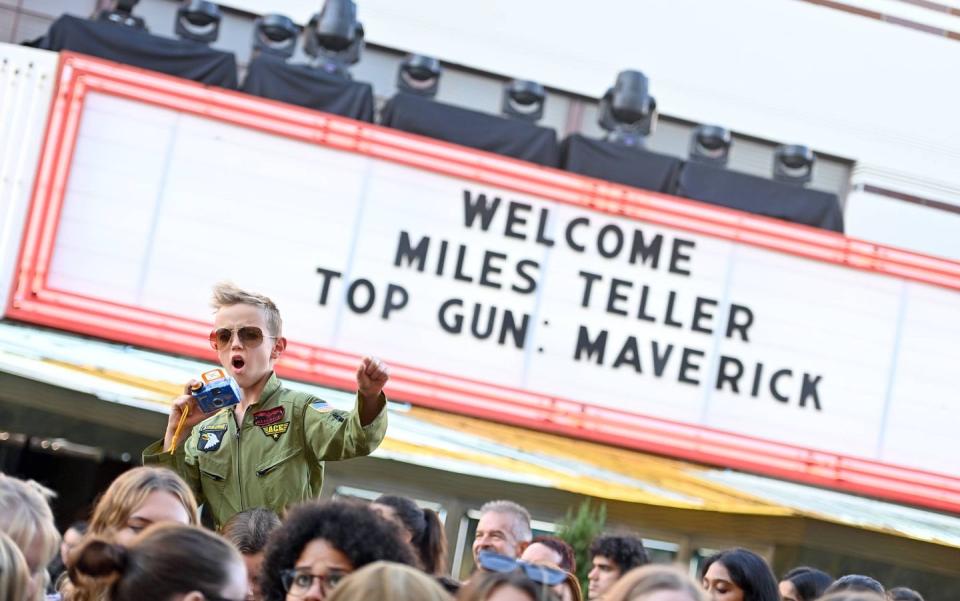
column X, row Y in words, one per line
column 710, row 144
column 121, row 13
column 419, row 75
column 199, row 21
column 523, row 100
column 627, row 110
column 793, row 164
column 275, row 35
column 334, row 38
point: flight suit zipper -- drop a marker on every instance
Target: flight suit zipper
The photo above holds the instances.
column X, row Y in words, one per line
column 239, row 473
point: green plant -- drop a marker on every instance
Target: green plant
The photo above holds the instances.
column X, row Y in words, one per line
column 579, row 529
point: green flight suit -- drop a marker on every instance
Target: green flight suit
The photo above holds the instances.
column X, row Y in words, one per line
column 275, row 459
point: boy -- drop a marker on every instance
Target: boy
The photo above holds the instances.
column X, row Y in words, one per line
column 267, row 451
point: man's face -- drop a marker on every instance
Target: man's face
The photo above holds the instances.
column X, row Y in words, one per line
column 247, row 364
column 495, row 533
column 601, row 576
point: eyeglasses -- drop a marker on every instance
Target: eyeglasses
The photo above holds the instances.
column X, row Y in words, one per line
column 495, row 562
column 297, row 583
column 249, row 336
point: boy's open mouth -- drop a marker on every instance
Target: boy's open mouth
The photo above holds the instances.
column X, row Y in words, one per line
column 237, row 362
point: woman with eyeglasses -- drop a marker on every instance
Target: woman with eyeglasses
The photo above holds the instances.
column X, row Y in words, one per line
column 136, row 499
column 320, row 543
column 167, row 562
column 515, row 585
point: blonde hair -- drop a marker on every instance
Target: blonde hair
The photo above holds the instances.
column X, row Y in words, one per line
column 642, row 581
column 14, row 574
column 25, row 516
column 226, row 294
column 130, row 490
column 386, row 580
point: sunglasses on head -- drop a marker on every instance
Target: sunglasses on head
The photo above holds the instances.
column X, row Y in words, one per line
column 249, row 336
column 494, row 562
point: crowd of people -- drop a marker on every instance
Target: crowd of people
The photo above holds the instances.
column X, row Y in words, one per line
column 144, row 542
column 274, row 541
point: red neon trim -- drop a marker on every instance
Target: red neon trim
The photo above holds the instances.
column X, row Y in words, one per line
column 32, row 301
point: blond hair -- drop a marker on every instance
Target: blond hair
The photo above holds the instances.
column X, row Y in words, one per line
column 645, row 580
column 226, row 294
column 387, row 580
column 130, row 490
column 14, row 574
column 25, row 516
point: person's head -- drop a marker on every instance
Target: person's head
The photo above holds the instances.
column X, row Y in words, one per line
column 423, row 529
column 738, row 575
column 504, row 586
column 504, row 528
column 902, row 593
column 804, row 584
column 165, row 562
column 610, row 558
column 140, row 497
column 855, row 583
column 14, row 574
column 249, row 531
column 247, row 333
column 386, row 580
column 25, row 517
column 72, row 537
column 551, row 550
column 655, row 583
column 853, row 596
column 319, row 543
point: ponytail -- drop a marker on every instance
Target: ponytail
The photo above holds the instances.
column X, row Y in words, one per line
column 433, row 544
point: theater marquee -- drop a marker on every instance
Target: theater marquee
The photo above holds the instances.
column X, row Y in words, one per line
column 495, row 288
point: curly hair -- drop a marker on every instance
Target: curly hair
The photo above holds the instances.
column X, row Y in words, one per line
column 625, row 551
column 352, row 528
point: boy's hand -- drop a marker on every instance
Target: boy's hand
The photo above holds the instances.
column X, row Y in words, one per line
column 371, row 377
column 177, row 407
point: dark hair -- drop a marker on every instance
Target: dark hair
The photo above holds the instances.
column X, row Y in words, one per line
column 161, row 563
column 810, row 583
column 483, row 584
column 568, row 562
column 855, row 583
column 902, row 593
column 428, row 538
column 250, row 529
column 749, row 571
column 625, row 551
column 352, row 528
column 80, row 526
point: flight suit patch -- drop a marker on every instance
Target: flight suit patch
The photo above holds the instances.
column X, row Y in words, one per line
column 275, row 431
column 211, row 438
column 268, row 416
column 321, row 406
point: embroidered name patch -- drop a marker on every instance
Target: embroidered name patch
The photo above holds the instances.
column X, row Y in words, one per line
column 269, row 416
column 275, row 431
column 211, row 438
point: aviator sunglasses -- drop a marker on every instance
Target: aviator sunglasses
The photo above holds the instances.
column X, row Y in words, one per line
column 494, row 562
column 249, row 336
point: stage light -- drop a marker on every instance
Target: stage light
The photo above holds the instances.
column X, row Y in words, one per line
column 710, row 144
column 627, row 110
column 523, row 100
column 419, row 75
column 793, row 164
column 198, row 21
column 121, row 13
column 275, row 35
column 334, row 37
